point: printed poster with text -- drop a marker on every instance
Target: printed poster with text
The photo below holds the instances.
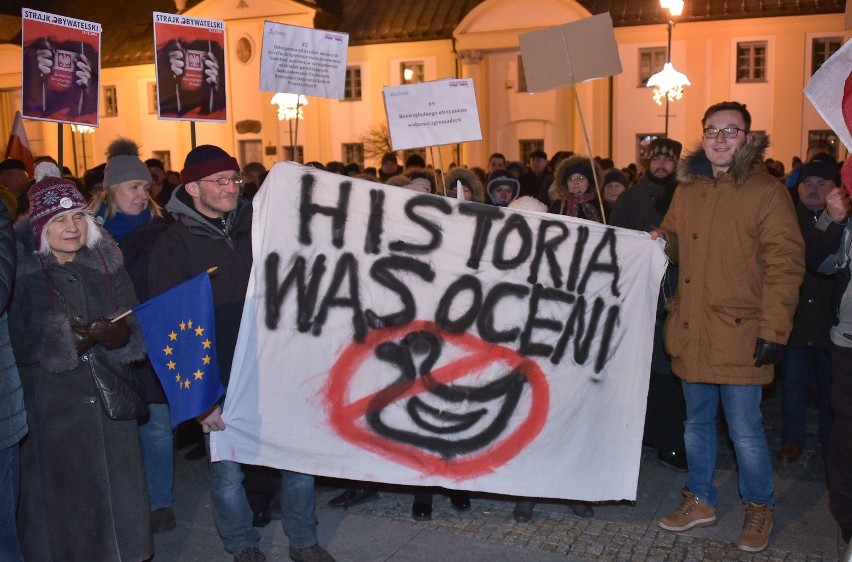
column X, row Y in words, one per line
column 432, row 113
column 60, row 67
column 408, row 338
column 190, row 58
column 300, row 60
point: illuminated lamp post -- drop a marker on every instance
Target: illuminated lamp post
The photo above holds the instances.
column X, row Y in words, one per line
column 668, row 84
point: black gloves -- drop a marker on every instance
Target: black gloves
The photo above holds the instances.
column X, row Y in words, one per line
column 111, row 335
column 767, row 352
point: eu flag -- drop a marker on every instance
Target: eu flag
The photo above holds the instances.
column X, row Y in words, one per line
column 179, row 331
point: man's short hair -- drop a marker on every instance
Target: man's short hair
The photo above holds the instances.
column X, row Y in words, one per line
column 255, row 167
column 728, row 106
column 538, row 154
column 155, row 163
column 12, row 164
column 497, row 155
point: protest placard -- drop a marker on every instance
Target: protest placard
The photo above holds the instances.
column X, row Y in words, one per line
column 570, row 54
column 190, row 59
column 300, row 60
column 432, row 113
column 830, row 92
column 60, row 67
column 402, row 337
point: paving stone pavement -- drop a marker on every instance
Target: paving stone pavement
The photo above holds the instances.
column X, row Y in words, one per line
column 382, row 530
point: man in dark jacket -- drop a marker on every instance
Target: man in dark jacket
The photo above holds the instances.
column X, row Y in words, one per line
column 13, row 420
column 213, row 228
column 807, row 356
column 642, row 207
column 829, row 251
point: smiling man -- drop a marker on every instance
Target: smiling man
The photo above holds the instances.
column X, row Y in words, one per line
column 732, row 228
column 213, row 228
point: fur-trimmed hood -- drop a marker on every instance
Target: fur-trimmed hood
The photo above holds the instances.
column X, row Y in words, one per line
column 467, row 178
column 39, row 324
column 747, row 159
column 566, row 167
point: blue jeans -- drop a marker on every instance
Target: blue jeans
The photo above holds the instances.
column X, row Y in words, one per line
column 233, row 515
column 10, row 487
column 745, row 428
column 800, row 364
column 298, row 508
column 155, row 436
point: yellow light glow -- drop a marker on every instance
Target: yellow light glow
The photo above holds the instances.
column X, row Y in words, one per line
column 668, row 83
column 287, row 105
column 83, row 129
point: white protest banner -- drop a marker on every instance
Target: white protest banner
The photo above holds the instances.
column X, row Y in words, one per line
column 60, row 68
column 570, row 54
column 190, row 61
column 400, row 337
column 432, row 113
column 300, row 60
column 830, row 92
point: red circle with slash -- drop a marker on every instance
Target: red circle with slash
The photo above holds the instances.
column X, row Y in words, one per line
column 347, row 418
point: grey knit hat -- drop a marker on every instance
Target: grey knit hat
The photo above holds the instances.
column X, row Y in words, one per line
column 123, row 163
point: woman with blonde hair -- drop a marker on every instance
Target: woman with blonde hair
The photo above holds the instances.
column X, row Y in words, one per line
column 128, row 212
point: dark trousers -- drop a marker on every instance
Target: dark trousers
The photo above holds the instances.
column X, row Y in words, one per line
column 261, row 484
column 839, row 458
column 665, row 414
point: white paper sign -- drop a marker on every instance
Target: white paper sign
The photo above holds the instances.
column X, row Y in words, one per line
column 826, row 88
column 432, row 113
column 300, row 60
column 409, row 338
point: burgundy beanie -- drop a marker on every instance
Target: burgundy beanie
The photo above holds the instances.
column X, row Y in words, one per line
column 50, row 197
column 206, row 160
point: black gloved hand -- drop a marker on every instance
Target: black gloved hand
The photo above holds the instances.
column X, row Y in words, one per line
column 111, row 335
column 767, row 352
column 83, row 342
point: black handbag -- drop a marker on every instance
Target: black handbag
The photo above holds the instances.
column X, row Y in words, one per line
column 121, row 394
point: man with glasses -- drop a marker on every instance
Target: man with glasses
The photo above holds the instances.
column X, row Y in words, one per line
column 213, row 228
column 732, row 228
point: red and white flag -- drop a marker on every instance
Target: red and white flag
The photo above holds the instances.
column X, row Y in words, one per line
column 18, row 145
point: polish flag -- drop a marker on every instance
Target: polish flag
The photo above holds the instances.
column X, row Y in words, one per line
column 19, row 146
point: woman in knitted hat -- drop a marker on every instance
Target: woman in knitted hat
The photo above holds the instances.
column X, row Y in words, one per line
column 575, row 195
column 128, row 212
column 83, row 494
column 615, row 183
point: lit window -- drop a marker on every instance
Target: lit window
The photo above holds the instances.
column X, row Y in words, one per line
column 412, row 72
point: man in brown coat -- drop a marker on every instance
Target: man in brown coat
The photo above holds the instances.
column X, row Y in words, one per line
column 733, row 230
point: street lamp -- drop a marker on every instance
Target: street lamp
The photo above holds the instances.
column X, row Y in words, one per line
column 668, row 84
column 289, row 108
column 82, row 130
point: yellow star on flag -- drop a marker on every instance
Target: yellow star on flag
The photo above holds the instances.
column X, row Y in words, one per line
column 189, row 324
column 199, row 374
column 177, row 377
column 167, row 350
column 199, row 330
column 171, row 365
column 172, row 336
column 182, row 326
column 206, row 344
column 186, row 383
column 206, row 359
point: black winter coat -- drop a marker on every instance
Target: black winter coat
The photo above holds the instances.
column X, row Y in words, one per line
column 13, row 419
column 193, row 244
column 83, row 489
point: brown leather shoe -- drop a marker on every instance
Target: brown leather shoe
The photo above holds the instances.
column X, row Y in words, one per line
column 692, row 512
column 756, row 528
column 789, row 453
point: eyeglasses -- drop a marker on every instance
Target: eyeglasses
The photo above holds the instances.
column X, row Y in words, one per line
column 727, row 132
column 237, row 180
column 576, row 177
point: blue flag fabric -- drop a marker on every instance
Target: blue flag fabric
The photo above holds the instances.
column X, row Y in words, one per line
column 180, row 335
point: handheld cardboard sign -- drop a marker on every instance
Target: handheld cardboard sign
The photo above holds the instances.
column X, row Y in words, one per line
column 830, row 92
